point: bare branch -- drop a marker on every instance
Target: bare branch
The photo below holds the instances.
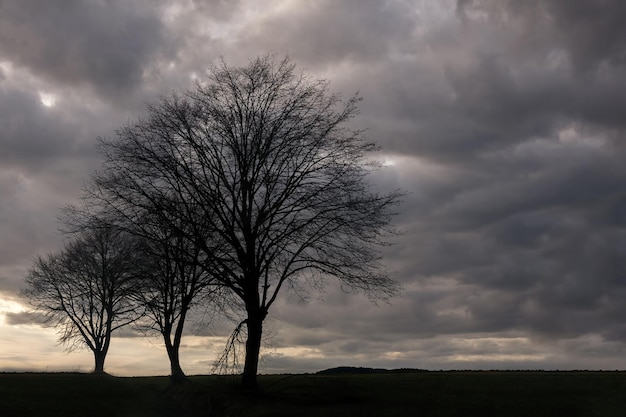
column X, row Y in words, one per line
column 257, row 169
column 84, row 290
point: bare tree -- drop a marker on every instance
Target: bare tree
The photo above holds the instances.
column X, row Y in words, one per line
column 172, row 284
column 84, row 290
column 259, row 165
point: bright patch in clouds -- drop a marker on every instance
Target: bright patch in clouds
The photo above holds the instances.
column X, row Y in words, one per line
column 299, row 352
column 494, row 349
column 389, row 162
column 47, row 99
column 9, row 306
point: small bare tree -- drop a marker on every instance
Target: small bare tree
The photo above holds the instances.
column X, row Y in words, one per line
column 172, row 284
column 259, row 166
column 85, row 290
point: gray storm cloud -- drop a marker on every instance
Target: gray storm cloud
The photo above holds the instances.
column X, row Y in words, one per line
column 503, row 120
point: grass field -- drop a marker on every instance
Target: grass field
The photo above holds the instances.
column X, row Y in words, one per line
column 387, row 394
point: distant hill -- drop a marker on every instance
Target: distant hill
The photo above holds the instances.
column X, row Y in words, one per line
column 343, row 370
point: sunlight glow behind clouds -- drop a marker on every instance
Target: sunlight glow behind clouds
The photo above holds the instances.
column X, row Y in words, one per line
column 34, row 348
column 47, row 99
column 9, row 306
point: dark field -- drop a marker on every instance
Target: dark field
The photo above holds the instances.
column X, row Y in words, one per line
column 482, row 394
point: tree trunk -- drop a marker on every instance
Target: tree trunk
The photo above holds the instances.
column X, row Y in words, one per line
column 102, row 345
column 173, row 347
column 99, row 357
column 177, row 376
column 253, row 348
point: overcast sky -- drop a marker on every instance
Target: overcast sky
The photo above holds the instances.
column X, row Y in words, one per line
column 504, row 121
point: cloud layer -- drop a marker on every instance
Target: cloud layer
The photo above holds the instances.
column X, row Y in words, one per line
column 504, row 121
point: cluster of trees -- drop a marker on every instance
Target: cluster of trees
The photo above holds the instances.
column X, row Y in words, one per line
column 250, row 183
column 106, row 278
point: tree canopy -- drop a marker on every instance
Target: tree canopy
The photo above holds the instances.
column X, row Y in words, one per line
column 85, row 289
column 259, row 170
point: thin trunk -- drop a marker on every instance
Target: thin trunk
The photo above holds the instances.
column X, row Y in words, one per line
column 173, row 347
column 173, row 351
column 253, row 348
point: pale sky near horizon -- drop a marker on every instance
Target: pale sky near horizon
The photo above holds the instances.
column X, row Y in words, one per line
column 505, row 121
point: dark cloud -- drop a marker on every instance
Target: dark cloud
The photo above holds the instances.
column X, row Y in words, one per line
column 489, row 82
column 504, row 121
column 328, row 32
column 25, row 318
column 46, row 153
column 104, row 44
column 218, row 10
column 30, row 132
column 592, row 32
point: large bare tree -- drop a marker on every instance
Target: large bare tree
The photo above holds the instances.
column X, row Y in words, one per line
column 259, row 164
column 85, row 290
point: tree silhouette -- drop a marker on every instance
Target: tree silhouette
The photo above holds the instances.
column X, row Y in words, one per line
column 84, row 290
column 171, row 284
column 258, row 164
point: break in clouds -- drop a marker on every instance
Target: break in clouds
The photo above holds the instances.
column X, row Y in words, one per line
column 503, row 120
